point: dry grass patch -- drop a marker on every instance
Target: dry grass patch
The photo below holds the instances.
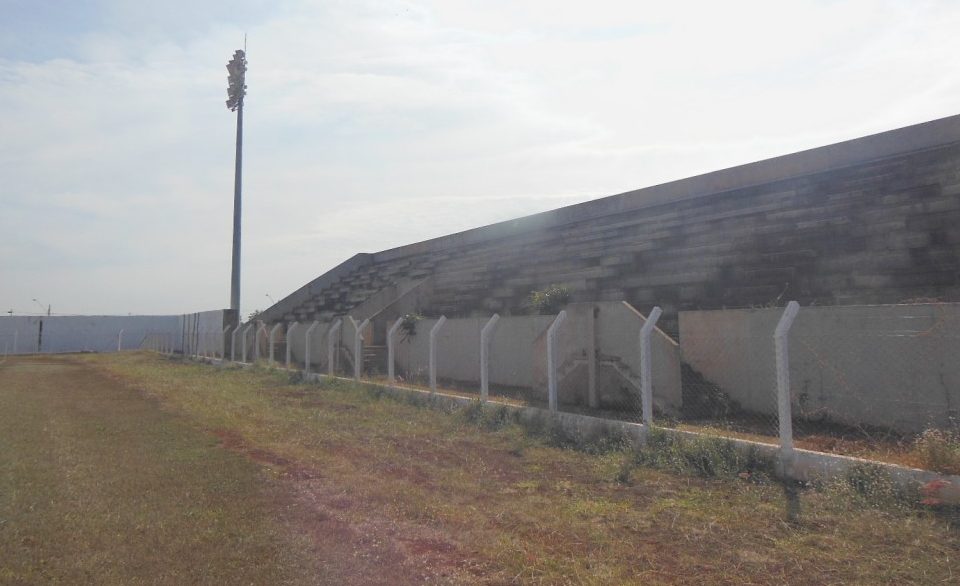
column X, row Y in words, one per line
column 470, row 496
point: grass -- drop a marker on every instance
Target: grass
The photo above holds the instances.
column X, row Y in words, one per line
column 98, row 485
column 939, row 450
column 471, row 496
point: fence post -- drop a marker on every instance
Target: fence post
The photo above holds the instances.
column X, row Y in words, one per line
column 358, row 348
column 290, row 330
column 246, row 332
column 256, row 340
column 223, row 343
column 433, row 352
column 233, row 342
column 334, row 330
column 15, row 334
column 306, row 346
column 783, row 382
column 120, row 340
column 271, row 341
column 646, row 368
column 391, row 333
column 552, row 360
column 485, row 335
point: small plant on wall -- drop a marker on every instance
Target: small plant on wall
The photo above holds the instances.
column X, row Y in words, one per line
column 408, row 325
column 550, row 300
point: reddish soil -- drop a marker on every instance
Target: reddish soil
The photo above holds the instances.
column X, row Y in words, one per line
column 353, row 544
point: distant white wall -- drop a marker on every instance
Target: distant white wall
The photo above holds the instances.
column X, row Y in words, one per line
column 99, row 333
column 86, row 333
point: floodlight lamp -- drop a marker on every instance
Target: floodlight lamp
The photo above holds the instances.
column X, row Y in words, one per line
column 237, row 68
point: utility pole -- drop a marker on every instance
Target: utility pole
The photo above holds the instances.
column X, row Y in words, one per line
column 41, row 307
column 237, row 89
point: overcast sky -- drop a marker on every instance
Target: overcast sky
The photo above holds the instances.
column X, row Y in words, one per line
column 372, row 124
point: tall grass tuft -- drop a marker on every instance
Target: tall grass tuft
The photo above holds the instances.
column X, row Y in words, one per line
column 705, row 457
column 939, row 450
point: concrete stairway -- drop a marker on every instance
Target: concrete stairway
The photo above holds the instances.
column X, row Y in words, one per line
column 879, row 231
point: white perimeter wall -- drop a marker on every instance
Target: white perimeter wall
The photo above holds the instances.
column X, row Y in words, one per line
column 99, row 333
column 86, row 333
column 887, row 365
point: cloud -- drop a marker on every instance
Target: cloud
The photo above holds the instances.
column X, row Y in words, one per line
column 375, row 123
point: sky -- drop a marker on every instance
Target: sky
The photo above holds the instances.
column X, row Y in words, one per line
column 370, row 124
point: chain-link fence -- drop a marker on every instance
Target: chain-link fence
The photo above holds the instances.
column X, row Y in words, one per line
column 728, row 382
column 870, row 381
column 865, row 381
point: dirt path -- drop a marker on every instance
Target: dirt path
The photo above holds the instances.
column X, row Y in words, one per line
column 99, row 485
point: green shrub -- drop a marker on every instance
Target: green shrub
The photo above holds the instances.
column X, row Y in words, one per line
column 549, row 301
column 408, row 325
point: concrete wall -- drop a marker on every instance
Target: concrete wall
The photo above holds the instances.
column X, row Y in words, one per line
column 318, row 345
column 202, row 332
column 618, row 334
column 513, row 352
column 84, row 333
column 892, row 366
column 518, row 354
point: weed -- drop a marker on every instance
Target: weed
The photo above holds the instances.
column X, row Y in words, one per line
column 486, row 417
column 939, row 450
column 549, row 301
column 702, row 456
column 408, row 325
column 551, row 431
column 871, row 486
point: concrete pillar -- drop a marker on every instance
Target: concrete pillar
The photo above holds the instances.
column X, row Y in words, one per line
column 290, row 330
column 358, row 348
column 244, row 335
column 486, row 337
column 273, row 339
column 592, row 399
column 260, row 331
column 646, row 367
column 433, row 351
column 391, row 352
column 784, row 412
column 306, row 345
column 552, row 360
column 222, row 342
column 331, row 346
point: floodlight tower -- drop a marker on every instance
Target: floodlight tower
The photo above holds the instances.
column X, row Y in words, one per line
column 236, row 90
